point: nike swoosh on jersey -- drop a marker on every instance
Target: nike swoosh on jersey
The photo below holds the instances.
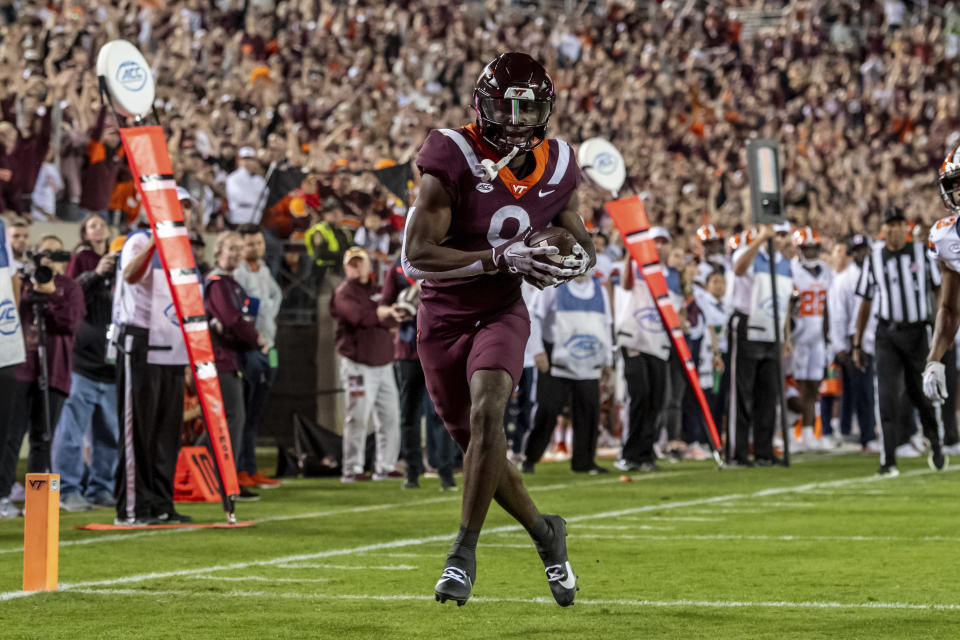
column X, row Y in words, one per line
column 546, row 193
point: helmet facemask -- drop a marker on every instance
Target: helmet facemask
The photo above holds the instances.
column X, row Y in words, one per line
column 950, row 190
column 519, row 122
column 813, row 259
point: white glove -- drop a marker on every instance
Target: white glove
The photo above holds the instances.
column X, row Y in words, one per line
column 935, row 382
column 516, row 257
column 579, row 260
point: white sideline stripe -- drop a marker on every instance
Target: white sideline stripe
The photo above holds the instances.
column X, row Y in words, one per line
column 142, row 577
column 713, row 604
column 725, row 510
column 597, row 527
column 334, row 512
column 680, row 519
column 347, row 567
column 788, row 504
column 723, row 536
column 109, row 538
column 257, row 579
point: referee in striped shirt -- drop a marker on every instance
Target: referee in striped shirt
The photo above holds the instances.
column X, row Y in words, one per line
column 898, row 275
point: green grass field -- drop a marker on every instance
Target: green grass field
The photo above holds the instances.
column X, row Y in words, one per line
column 821, row 550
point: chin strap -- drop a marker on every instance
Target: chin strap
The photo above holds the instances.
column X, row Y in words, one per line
column 493, row 168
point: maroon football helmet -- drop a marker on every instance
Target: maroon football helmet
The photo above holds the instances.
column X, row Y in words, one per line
column 513, row 99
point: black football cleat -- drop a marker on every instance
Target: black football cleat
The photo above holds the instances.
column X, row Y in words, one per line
column 560, row 575
column 454, row 584
column 938, row 460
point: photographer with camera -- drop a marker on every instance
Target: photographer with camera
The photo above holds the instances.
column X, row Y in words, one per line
column 92, row 404
column 51, row 309
column 11, row 354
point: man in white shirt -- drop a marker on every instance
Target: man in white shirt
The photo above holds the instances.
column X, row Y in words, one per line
column 844, row 305
column 150, row 383
column 646, row 347
column 12, row 351
column 572, row 354
column 246, row 188
column 756, row 367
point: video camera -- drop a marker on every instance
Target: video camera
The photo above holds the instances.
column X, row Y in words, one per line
column 34, row 269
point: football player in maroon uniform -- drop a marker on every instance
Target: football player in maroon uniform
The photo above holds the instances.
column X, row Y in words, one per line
column 485, row 187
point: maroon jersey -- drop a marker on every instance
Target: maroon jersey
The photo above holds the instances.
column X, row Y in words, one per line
column 485, row 214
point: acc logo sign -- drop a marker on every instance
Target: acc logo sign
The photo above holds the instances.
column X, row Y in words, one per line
column 583, row 345
column 170, row 313
column 605, row 163
column 131, row 76
column 9, row 322
column 484, row 187
column 649, row 319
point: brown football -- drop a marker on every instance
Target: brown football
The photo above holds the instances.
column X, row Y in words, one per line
column 553, row 237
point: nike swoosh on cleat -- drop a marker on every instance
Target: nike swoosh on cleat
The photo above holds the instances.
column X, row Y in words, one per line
column 571, row 580
column 546, row 193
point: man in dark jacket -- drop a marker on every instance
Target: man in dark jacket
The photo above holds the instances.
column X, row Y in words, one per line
column 93, row 395
column 366, row 353
column 232, row 332
column 60, row 300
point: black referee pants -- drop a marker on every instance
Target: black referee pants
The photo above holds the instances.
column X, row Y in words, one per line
column 150, row 407
column 901, row 355
column 646, row 378
column 412, row 388
column 553, row 393
column 756, row 368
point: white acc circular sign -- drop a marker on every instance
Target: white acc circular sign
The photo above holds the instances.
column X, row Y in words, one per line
column 602, row 163
column 128, row 78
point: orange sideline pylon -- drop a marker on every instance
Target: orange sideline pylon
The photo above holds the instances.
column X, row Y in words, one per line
column 41, row 532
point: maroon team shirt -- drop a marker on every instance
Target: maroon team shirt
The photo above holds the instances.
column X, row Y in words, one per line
column 487, row 213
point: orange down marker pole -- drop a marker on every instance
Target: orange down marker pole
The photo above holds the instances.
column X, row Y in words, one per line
column 41, row 532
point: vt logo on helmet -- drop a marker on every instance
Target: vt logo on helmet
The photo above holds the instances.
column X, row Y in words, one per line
column 513, row 99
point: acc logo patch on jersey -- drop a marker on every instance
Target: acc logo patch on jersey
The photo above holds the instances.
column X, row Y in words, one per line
column 484, row 187
column 170, row 313
column 649, row 319
column 9, row 322
column 583, row 345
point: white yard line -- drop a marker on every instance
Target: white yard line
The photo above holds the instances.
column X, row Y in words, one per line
column 108, row 538
column 394, row 544
column 712, row 604
column 787, row 538
column 716, row 510
column 788, row 504
column 256, row 579
column 347, row 567
column 678, row 519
